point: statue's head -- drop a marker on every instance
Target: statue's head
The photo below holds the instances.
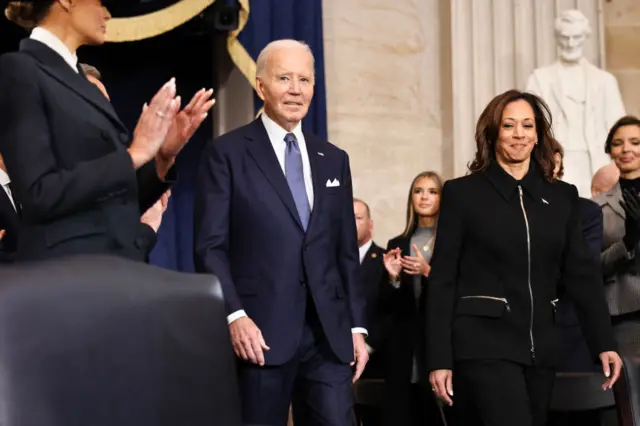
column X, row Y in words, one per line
column 572, row 30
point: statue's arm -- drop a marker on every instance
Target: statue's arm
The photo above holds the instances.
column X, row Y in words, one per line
column 614, row 109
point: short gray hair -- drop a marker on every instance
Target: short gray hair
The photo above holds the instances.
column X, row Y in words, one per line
column 263, row 57
column 572, row 16
column 91, row 71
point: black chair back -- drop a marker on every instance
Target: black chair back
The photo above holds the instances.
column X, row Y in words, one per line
column 104, row 341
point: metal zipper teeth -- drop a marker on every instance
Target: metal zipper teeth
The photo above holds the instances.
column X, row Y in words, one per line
column 500, row 299
column 526, row 222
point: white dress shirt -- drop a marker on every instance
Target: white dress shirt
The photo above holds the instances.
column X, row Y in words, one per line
column 53, row 42
column 364, row 249
column 276, row 135
column 4, row 182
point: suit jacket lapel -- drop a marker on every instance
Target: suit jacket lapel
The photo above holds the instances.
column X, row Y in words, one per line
column 613, row 199
column 314, row 146
column 260, row 149
column 51, row 63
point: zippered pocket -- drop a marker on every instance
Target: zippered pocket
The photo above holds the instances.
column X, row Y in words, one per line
column 498, row 299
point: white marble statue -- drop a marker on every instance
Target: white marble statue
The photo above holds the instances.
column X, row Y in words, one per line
column 584, row 101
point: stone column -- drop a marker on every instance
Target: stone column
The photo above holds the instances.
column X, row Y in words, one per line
column 382, row 65
column 622, row 35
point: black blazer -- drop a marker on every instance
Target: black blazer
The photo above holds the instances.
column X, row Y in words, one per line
column 407, row 330
column 65, row 150
column 373, row 277
column 503, row 249
column 10, row 222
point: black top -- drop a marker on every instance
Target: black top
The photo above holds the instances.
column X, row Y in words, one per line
column 503, row 250
column 631, row 184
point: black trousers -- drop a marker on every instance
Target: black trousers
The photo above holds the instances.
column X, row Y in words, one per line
column 501, row 393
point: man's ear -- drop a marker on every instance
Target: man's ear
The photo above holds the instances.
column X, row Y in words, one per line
column 260, row 88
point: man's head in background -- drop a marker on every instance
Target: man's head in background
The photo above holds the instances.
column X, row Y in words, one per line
column 364, row 224
column 604, row 179
column 94, row 76
column 558, row 156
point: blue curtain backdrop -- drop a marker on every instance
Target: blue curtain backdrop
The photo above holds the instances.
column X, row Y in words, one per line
column 300, row 20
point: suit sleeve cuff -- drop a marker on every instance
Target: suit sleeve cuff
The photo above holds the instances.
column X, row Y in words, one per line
column 359, row 330
column 234, row 316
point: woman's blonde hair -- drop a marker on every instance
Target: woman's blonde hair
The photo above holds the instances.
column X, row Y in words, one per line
column 412, row 219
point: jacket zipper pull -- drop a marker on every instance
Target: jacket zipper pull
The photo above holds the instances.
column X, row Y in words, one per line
column 508, row 307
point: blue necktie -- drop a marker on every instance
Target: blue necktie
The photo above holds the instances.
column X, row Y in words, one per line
column 295, row 178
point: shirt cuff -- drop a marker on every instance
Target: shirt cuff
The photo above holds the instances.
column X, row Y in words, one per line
column 359, row 330
column 234, row 316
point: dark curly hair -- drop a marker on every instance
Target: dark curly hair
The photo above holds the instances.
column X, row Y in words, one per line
column 488, row 128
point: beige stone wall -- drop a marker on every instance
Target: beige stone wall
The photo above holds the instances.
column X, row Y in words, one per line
column 622, row 46
column 383, row 98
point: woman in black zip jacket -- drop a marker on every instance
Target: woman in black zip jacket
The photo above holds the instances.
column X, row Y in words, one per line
column 509, row 239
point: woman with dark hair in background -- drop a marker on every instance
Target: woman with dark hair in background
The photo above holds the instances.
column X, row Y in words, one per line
column 81, row 179
column 508, row 236
column 620, row 252
column 407, row 399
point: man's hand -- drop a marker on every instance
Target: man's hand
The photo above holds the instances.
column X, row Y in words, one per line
column 2, row 233
column 360, row 355
column 247, row 341
column 153, row 216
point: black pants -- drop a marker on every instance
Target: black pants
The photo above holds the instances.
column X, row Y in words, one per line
column 411, row 405
column 501, row 393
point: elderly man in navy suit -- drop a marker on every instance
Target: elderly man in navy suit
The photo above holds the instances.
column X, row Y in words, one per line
column 275, row 223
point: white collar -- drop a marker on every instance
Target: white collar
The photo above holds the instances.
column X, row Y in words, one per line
column 364, row 249
column 277, row 133
column 54, row 43
column 4, row 178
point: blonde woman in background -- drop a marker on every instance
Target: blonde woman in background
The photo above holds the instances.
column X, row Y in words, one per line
column 408, row 400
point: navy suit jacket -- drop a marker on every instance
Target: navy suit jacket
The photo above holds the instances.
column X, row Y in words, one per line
column 576, row 356
column 248, row 233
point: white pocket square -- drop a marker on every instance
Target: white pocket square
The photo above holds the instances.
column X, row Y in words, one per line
column 333, row 183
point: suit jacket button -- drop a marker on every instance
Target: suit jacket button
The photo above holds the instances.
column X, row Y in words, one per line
column 124, row 138
column 302, row 283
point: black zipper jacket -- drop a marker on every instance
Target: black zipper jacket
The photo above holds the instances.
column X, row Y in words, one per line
column 504, row 250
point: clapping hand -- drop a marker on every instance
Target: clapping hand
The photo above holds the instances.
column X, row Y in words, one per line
column 153, row 124
column 415, row 265
column 393, row 262
column 186, row 122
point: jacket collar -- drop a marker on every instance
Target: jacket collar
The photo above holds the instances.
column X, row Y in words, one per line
column 507, row 185
column 54, row 65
